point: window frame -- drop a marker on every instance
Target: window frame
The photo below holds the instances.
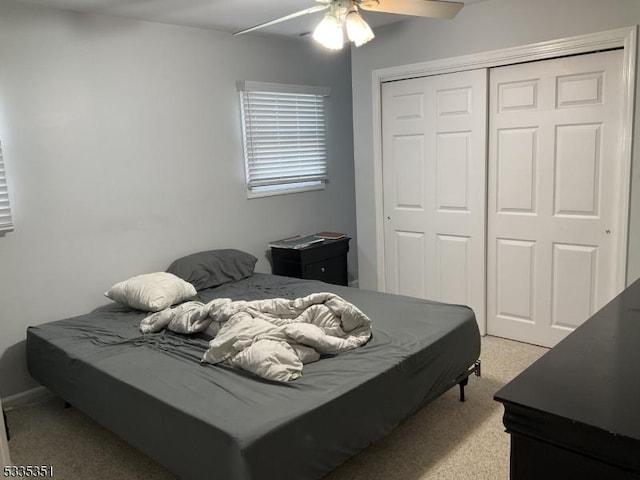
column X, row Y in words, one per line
column 245, row 89
column 6, row 212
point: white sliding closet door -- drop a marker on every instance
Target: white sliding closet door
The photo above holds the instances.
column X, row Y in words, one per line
column 434, row 184
column 554, row 164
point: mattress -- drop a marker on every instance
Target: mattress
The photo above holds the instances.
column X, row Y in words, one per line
column 207, row 421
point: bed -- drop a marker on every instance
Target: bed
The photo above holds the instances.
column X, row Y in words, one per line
column 207, row 421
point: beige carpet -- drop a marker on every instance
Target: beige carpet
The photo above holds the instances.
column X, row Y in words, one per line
column 446, row 440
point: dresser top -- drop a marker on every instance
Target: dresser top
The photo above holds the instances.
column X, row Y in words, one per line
column 593, row 375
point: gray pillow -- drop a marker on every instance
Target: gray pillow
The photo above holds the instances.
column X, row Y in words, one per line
column 213, row 267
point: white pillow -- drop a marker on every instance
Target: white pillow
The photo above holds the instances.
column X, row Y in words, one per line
column 151, row 292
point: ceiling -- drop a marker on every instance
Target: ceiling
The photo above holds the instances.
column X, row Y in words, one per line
column 224, row 15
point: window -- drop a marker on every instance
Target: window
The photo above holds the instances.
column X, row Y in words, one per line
column 284, row 132
column 6, row 224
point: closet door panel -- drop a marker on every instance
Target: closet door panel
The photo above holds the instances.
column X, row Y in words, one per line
column 553, row 170
column 434, row 187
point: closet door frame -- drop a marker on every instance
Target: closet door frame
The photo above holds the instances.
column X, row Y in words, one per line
column 625, row 38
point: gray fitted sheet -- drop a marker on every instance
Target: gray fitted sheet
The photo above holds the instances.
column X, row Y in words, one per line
column 213, row 422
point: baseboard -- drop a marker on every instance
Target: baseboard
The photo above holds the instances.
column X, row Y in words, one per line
column 30, row 397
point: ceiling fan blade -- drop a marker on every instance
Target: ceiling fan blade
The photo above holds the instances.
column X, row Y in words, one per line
column 317, row 8
column 417, row 8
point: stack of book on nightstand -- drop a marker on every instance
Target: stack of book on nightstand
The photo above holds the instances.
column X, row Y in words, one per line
column 299, row 241
column 330, row 235
column 296, row 242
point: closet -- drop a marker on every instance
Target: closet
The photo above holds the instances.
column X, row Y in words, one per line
column 501, row 191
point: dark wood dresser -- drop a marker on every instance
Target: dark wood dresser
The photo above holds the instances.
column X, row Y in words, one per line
column 575, row 413
column 325, row 261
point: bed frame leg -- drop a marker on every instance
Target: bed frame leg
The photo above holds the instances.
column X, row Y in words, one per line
column 476, row 370
column 463, row 384
column 6, row 425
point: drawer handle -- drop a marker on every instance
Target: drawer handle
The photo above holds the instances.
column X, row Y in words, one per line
column 322, row 269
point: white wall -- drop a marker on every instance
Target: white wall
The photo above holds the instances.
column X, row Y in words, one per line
column 123, row 149
column 480, row 27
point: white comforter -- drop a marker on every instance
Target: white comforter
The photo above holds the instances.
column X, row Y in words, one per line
column 272, row 338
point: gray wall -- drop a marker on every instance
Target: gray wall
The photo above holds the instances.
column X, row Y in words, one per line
column 123, row 148
column 480, row 27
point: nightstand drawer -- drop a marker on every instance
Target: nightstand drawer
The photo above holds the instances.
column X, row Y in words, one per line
column 331, row 271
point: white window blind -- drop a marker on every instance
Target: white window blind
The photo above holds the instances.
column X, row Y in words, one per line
column 6, row 223
column 284, row 131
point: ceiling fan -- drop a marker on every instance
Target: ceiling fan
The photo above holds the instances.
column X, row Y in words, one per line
column 329, row 31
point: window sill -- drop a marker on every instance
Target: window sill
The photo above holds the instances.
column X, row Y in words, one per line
column 284, row 191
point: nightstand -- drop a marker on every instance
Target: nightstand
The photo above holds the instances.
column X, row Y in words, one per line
column 326, row 261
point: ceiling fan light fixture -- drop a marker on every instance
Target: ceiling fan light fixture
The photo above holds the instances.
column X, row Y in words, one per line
column 328, row 33
column 358, row 31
